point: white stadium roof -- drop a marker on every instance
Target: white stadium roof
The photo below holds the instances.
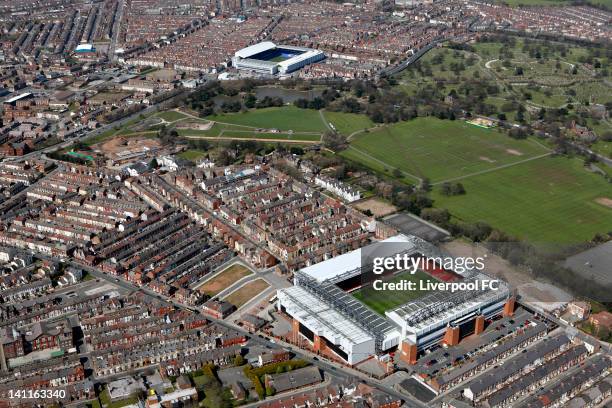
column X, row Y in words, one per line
column 349, row 261
column 298, row 58
column 255, row 49
column 321, row 318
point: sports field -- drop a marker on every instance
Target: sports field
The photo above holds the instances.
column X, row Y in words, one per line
column 547, row 201
column 438, row 149
column 283, row 118
column 383, row 300
column 347, row 123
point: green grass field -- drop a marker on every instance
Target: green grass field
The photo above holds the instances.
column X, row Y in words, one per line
column 438, row 149
column 546, row 201
column 383, row 300
column 347, row 123
column 192, row 154
column 171, row 116
column 604, row 148
column 283, row 118
column 240, row 134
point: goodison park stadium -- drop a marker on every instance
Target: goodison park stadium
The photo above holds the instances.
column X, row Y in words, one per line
column 332, row 304
column 269, row 58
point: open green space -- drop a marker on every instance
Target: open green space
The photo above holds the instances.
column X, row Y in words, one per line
column 347, row 123
column 241, row 134
column 438, row 149
column 171, row 116
column 546, row 201
column 604, row 148
column 192, row 154
column 383, row 300
column 282, row 118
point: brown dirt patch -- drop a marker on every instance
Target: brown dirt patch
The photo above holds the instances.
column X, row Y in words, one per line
column 195, row 125
column 514, row 152
column 224, row 279
column 487, row 159
column 378, row 207
column 605, row 201
column 247, row 292
column 121, row 145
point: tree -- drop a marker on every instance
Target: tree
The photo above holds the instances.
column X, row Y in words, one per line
column 425, row 185
column 445, row 188
column 334, row 141
column 458, row 189
column 250, row 101
column 397, row 173
column 239, row 360
column 439, row 216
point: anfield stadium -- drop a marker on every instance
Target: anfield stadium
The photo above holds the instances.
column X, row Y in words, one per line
column 334, row 306
column 269, row 58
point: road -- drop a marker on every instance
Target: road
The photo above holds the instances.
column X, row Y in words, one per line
column 112, row 47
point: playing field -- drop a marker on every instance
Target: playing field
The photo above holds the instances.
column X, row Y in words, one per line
column 547, row 201
column 171, row 116
column 438, row 149
column 283, row 118
column 247, row 292
column 383, row 300
column 347, row 123
column 224, row 279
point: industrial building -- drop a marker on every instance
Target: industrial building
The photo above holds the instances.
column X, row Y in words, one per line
column 271, row 59
column 325, row 313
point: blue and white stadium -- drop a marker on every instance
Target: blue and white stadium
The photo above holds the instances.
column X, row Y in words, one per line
column 269, row 58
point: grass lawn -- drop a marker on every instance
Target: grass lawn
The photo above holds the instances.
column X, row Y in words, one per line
column 224, row 279
column 347, row 123
column 101, row 137
column 247, row 292
column 384, row 300
column 192, row 154
column 546, row 201
column 171, row 116
column 438, row 149
column 283, row 118
column 242, row 134
column 604, row 148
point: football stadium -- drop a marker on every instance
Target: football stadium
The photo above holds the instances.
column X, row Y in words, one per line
column 269, row 58
column 335, row 306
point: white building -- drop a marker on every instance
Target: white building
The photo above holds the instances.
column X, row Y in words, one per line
column 342, row 190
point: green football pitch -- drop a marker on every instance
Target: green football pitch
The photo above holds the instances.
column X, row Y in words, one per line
column 384, row 300
column 438, row 149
